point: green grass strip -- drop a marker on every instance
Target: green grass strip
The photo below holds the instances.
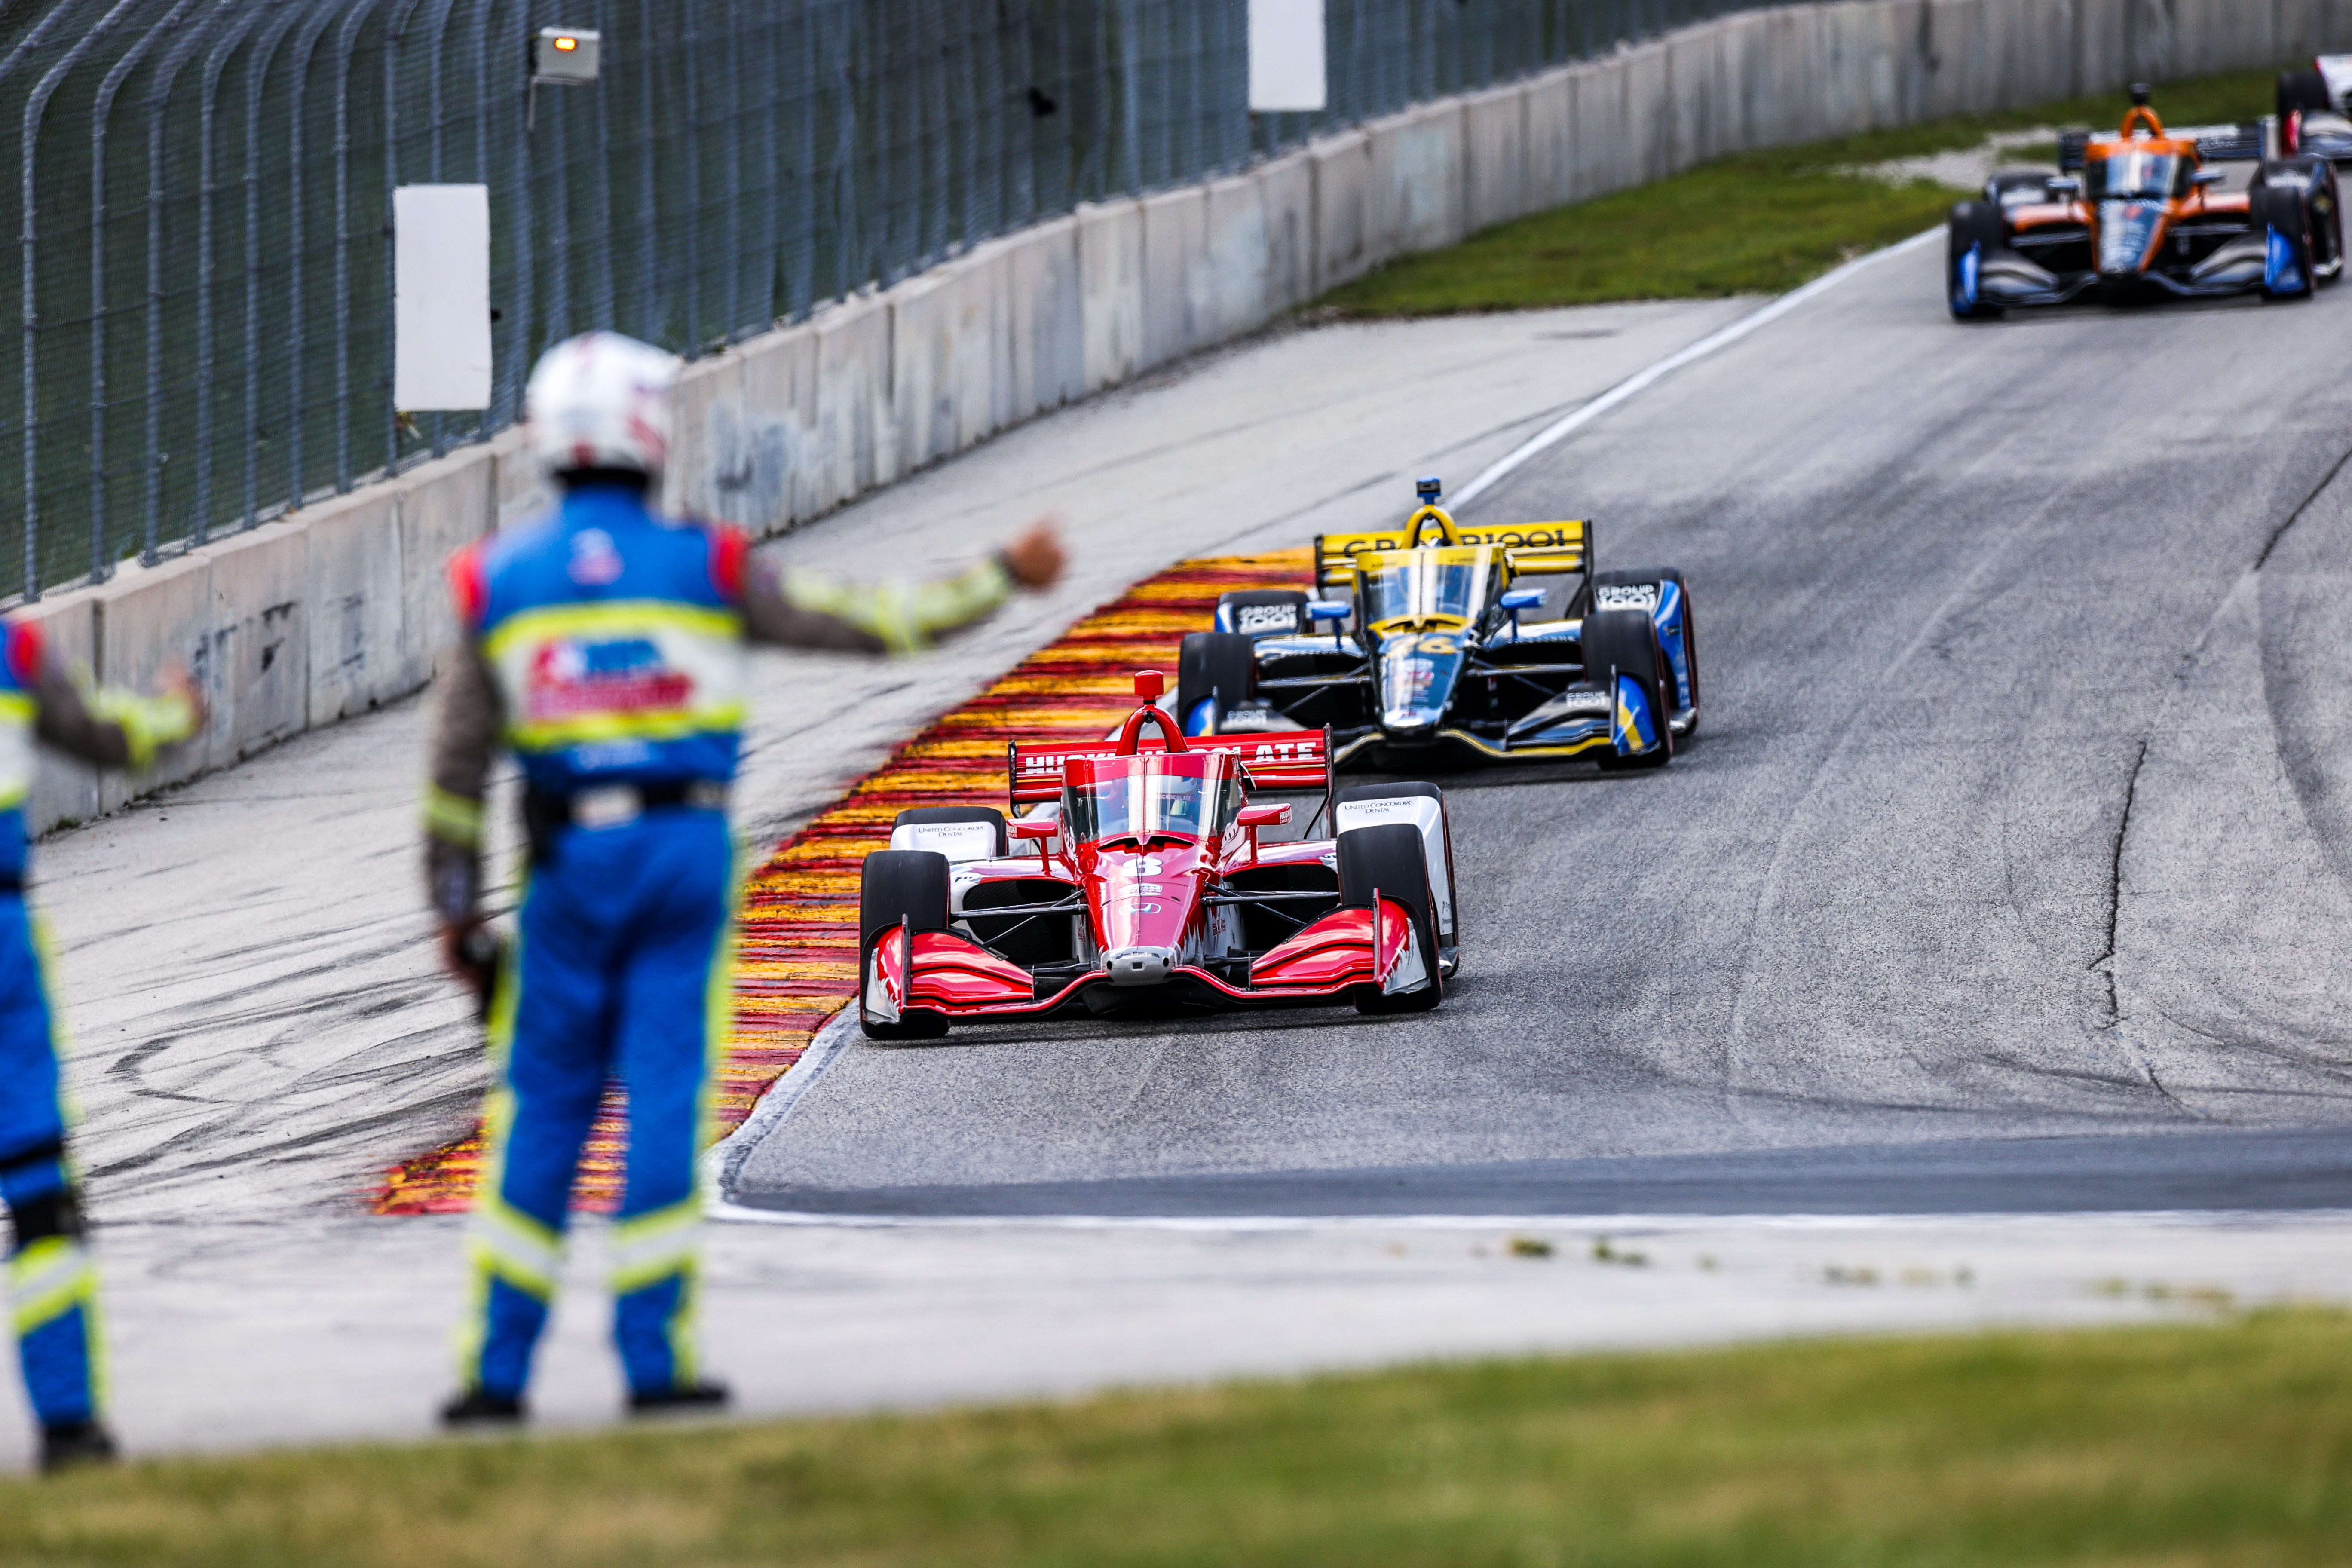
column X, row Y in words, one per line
column 2180, row 1444
column 1757, row 223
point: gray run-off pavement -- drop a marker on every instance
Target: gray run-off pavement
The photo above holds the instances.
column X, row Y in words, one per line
column 2008, row 872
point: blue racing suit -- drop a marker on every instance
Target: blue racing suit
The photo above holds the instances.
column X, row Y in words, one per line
column 605, row 648
column 52, row 1288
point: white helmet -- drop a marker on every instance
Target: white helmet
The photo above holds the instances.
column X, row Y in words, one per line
column 600, row 401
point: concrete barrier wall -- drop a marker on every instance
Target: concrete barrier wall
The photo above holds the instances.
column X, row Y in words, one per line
column 292, row 625
column 341, row 608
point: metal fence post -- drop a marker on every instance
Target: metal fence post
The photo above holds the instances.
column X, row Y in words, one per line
column 35, row 106
column 306, row 45
column 256, row 81
column 396, row 39
column 434, row 55
column 690, row 253
column 648, row 290
column 602, row 301
column 731, row 161
column 346, row 41
column 159, row 97
column 523, row 307
column 101, row 117
column 215, row 63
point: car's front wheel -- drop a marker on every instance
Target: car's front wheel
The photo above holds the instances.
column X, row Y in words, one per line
column 1972, row 233
column 1626, row 642
column 1676, row 635
column 1389, row 861
column 2283, row 212
column 898, row 887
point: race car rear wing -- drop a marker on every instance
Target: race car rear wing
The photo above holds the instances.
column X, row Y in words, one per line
column 1270, row 760
column 1531, row 548
column 2215, row 143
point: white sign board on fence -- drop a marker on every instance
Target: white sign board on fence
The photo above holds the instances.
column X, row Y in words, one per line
column 1285, row 55
column 441, row 297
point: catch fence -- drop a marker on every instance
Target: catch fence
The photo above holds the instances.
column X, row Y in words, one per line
column 201, row 271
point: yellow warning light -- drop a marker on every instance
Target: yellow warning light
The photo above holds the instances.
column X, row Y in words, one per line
column 565, row 56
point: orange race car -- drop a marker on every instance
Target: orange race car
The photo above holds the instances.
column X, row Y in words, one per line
column 2140, row 214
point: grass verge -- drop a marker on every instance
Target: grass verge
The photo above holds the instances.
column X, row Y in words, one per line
column 1760, row 223
column 2224, row 1444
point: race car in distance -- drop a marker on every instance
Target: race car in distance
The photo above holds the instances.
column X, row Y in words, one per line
column 1152, row 887
column 2138, row 214
column 1445, row 645
column 2315, row 116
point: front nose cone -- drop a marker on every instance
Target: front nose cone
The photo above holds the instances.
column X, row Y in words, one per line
column 1140, row 966
column 2127, row 235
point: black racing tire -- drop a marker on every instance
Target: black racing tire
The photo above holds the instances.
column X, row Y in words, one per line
column 1222, row 664
column 987, row 814
column 1971, row 224
column 1617, row 575
column 1627, row 641
column 909, row 885
column 1427, row 791
column 1387, row 860
column 2302, row 91
column 2285, row 208
column 1233, row 612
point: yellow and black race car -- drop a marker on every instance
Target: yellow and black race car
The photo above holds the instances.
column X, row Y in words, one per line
column 2146, row 213
column 1497, row 642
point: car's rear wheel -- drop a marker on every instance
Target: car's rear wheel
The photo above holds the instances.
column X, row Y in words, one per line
column 1388, row 861
column 1262, row 612
column 897, row 887
column 2302, row 92
column 1626, row 641
column 947, row 815
column 1972, row 233
column 1216, row 672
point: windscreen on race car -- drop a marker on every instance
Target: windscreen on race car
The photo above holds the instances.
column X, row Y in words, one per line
column 1149, row 797
column 2137, row 176
column 1414, row 584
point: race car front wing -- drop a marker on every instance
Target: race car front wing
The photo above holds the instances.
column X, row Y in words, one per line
column 950, row 974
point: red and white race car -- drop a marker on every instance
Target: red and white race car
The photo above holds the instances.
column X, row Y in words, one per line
column 1155, row 882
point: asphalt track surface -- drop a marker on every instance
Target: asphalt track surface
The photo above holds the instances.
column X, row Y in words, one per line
column 2008, row 873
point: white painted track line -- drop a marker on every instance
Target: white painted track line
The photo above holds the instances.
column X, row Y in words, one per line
column 1633, row 386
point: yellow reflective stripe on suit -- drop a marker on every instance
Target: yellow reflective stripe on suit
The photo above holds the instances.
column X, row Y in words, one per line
column 509, row 1243
column 652, row 1246
column 17, row 757
column 48, row 1279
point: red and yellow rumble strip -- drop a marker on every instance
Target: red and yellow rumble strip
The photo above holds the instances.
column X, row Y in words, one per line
column 799, row 955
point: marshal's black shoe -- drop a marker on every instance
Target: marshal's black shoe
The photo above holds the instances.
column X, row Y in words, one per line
column 479, row 1408
column 692, row 1396
column 69, row 1444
